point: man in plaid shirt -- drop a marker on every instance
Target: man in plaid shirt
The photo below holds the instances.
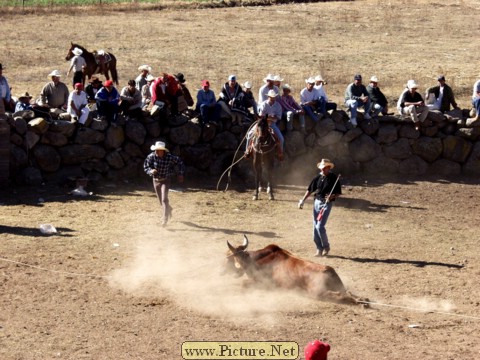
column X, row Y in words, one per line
column 161, row 166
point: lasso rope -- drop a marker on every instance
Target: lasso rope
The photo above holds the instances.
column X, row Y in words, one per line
column 361, row 301
column 418, row 309
column 54, row 271
column 234, row 162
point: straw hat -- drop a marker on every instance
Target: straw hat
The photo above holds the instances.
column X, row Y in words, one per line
column 247, row 85
column 272, row 93
column 319, row 78
column 286, row 86
column 55, row 73
column 324, row 163
column 159, row 145
column 374, row 79
column 412, row 84
column 277, row 78
column 269, row 77
column 310, row 80
column 150, row 77
column 77, row 51
column 144, row 68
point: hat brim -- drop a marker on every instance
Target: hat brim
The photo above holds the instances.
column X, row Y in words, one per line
column 154, row 148
column 323, row 165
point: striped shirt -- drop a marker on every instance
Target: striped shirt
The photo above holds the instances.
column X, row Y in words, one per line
column 166, row 166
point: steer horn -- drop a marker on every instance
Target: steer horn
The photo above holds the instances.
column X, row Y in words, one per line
column 231, row 247
column 245, row 242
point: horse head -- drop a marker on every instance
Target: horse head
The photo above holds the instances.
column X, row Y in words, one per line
column 70, row 54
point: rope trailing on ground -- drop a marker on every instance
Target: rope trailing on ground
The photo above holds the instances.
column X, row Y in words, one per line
column 54, row 271
column 418, row 309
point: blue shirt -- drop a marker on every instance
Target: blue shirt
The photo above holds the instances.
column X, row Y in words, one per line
column 4, row 89
column 205, row 97
column 104, row 95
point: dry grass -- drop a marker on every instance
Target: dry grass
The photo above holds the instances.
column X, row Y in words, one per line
column 394, row 40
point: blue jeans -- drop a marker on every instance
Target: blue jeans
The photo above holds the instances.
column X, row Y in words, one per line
column 279, row 134
column 210, row 113
column 108, row 109
column 476, row 104
column 320, row 237
column 324, row 106
column 309, row 111
column 353, row 105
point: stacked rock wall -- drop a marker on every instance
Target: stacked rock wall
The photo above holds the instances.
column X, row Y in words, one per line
column 42, row 150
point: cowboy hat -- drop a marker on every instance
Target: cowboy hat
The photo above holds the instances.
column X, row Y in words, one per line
column 374, row 79
column 247, row 85
column 319, row 78
column 269, row 77
column 324, row 163
column 286, row 87
column 159, row 145
column 277, row 78
column 144, row 68
column 77, row 51
column 150, row 77
column 272, row 93
column 25, row 95
column 232, row 78
column 310, row 80
column 55, row 73
column 412, row 84
column 180, row 77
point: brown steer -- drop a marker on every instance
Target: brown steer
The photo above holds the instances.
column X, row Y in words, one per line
column 275, row 266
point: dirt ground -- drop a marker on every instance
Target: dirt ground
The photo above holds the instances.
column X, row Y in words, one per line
column 114, row 284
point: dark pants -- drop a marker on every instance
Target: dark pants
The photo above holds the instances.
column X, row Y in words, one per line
column 109, row 110
column 77, row 77
column 161, row 189
column 210, row 113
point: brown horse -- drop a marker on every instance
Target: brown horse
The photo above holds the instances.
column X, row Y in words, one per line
column 97, row 63
column 263, row 145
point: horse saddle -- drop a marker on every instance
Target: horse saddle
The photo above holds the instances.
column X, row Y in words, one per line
column 101, row 57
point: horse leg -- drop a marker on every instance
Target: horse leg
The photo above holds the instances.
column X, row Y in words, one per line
column 257, row 169
column 269, row 178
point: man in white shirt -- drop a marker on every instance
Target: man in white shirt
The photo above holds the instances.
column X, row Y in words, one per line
column 323, row 104
column 309, row 99
column 77, row 104
column 269, row 85
column 476, row 101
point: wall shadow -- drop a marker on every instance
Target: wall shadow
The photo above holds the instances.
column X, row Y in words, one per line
column 266, row 234
column 29, row 231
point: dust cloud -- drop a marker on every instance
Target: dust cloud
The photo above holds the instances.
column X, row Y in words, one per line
column 428, row 305
column 188, row 270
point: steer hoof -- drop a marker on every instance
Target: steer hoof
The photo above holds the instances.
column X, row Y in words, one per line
column 255, row 197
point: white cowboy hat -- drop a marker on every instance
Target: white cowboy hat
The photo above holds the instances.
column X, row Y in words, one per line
column 247, row 85
column 286, row 86
column 55, row 73
column 324, row 163
column 144, row 67
column 277, row 78
column 159, row 145
column 319, row 78
column 411, row 84
column 269, row 77
column 272, row 93
column 374, row 79
column 77, row 51
column 150, row 77
column 310, row 80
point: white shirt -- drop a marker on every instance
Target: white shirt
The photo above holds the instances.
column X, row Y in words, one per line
column 78, row 62
column 476, row 89
column 321, row 92
column 78, row 100
column 307, row 96
column 262, row 93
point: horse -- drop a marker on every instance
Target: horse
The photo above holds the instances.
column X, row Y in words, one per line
column 98, row 62
column 263, row 145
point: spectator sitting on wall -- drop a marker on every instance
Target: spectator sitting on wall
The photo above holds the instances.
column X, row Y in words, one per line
column 379, row 102
column 77, row 105
column 92, row 88
column 441, row 96
column 131, row 100
column 145, row 92
column 187, row 97
column 141, row 79
column 23, row 102
column 323, row 104
column 107, row 102
column 54, row 94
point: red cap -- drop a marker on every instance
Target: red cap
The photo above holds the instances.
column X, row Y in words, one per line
column 78, row 85
column 205, row 83
column 316, row 350
column 108, row 83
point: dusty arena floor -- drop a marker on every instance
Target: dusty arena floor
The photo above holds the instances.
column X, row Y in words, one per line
column 114, row 284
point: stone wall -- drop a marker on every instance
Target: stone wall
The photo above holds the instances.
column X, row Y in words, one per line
column 53, row 150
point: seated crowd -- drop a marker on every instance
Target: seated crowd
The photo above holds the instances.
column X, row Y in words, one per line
column 167, row 95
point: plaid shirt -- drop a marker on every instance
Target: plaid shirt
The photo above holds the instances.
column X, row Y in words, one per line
column 165, row 166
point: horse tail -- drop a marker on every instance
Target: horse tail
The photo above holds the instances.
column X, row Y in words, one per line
column 113, row 69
